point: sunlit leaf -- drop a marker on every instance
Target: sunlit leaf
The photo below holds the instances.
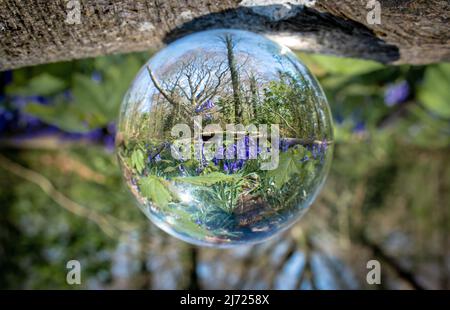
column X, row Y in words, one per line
column 41, row 85
column 59, row 114
column 208, row 179
column 321, row 64
column 137, row 160
column 290, row 164
column 435, row 92
column 152, row 188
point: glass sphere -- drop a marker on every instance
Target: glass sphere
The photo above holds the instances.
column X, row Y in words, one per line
column 225, row 138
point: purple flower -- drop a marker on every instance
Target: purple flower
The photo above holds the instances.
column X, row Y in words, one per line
column 111, row 128
column 208, row 104
column 19, row 101
column 314, row 152
column 215, row 161
column 94, row 135
column 359, row 127
column 73, row 135
column 226, row 168
column 284, row 146
column 96, row 77
column 109, row 142
column 233, row 165
column 396, row 93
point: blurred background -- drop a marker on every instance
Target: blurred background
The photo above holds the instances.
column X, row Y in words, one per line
column 62, row 196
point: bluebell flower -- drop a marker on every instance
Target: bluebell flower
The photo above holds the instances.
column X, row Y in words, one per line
column 19, row 101
column 109, row 142
column 359, row 127
column 215, row 161
column 284, row 145
column 111, row 128
column 324, row 145
column 8, row 115
column 96, row 77
column 314, row 152
column 208, row 104
column 94, row 135
column 226, row 168
column 39, row 99
column 396, row 93
column 73, row 135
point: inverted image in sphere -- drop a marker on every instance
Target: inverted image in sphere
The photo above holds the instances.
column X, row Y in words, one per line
column 225, row 138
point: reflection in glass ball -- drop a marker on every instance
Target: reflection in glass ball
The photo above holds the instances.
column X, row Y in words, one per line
column 224, row 138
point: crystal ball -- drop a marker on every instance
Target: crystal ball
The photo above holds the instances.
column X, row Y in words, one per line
column 225, row 138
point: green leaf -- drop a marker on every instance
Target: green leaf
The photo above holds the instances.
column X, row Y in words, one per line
column 137, row 160
column 153, row 189
column 59, row 114
column 100, row 101
column 88, row 95
column 289, row 165
column 435, row 92
column 170, row 169
column 42, row 85
column 186, row 224
column 208, row 179
column 340, row 65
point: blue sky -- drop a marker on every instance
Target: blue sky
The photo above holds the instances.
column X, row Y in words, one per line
column 267, row 57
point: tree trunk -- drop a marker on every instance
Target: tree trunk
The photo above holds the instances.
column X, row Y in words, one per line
column 234, row 78
column 253, row 110
column 40, row 31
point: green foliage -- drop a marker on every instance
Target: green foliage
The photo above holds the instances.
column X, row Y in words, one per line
column 435, row 91
column 94, row 103
column 152, row 187
column 208, row 179
column 66, row 117
column 43, row 84
column 290, row 165
column 138, row 160
column 286, row 101
column 223, row 196
column 339, row 65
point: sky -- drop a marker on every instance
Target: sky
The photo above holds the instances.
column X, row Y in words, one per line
column 267, row 57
